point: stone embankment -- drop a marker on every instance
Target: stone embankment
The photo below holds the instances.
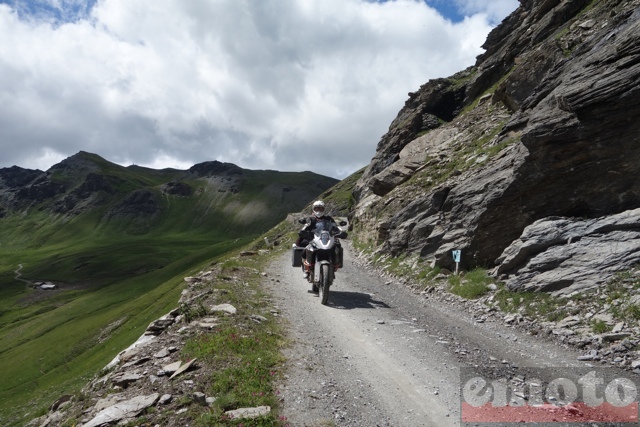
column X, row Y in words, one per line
column 151, row 372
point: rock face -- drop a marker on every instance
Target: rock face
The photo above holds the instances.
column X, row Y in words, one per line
column 139, row 203
column 544, row 125
column 177, row 189
column 557, row 254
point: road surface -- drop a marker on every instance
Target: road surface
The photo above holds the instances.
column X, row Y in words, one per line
column 379, row 354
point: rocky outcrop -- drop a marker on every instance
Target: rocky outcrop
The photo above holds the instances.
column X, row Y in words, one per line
column 176, row 188
column 138, row 203
column 15, row 177
column 543, row 126
column 437, row 102
column 557, row 254
column 40, row 189
column 91, row 191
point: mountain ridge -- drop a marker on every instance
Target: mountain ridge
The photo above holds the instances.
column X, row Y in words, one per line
column 85, row 184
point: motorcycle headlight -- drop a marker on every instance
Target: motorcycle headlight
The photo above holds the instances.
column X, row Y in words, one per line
column 324, row 237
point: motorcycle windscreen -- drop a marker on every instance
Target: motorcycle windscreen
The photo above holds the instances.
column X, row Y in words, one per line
column 323, row 225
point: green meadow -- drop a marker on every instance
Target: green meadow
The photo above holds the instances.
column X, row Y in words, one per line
column 52, row 342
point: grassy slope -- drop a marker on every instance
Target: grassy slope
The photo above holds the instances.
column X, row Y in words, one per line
column 113, row 280
column 49, row 346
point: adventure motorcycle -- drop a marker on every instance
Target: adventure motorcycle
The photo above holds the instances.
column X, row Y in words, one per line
column 327, row 255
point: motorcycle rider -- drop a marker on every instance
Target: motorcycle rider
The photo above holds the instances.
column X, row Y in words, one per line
column 303, row 239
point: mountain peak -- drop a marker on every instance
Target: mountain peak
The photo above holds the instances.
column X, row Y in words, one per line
column 212, row 168
column 82, row 161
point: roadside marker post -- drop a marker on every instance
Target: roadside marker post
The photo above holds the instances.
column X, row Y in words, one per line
column 456, row 257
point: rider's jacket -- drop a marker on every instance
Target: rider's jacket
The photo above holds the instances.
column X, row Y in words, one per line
column 305, row 235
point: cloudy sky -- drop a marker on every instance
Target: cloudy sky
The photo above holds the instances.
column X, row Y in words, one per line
column 290, row 85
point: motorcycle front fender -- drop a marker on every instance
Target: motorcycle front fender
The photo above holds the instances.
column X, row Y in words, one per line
column 317, row 269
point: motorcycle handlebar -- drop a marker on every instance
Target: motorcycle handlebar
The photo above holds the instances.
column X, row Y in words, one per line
column 309, row 234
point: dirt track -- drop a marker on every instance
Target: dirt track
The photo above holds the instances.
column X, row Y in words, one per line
column 380, row 355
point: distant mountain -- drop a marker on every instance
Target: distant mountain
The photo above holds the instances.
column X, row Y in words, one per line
column 208, row 197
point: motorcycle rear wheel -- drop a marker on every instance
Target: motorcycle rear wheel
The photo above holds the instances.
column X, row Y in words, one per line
column 325, row 279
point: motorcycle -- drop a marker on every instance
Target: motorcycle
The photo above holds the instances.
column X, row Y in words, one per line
column 327, row 255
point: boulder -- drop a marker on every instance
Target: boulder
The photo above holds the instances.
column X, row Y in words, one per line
column 157, row 326
column 123, row 410
column 225, row 308
column 123, row 380
column 248, row 413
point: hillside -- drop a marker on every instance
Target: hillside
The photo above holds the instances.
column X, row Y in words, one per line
column 116, row 243
column 526, row 162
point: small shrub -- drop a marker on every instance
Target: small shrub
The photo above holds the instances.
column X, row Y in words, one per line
column 633, row 312
column 535, row 304
column 556, row 315
column 193, row 311
column 428, row 274
column 455, row 281
column 600, row 327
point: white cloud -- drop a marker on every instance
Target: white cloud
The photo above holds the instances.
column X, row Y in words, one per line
column 267, row 85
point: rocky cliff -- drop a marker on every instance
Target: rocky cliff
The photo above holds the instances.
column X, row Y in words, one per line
column 528, row 155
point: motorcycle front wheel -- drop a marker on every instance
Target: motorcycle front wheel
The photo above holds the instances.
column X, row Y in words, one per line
column 325, row 278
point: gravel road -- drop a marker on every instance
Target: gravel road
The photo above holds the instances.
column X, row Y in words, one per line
column 381, row 355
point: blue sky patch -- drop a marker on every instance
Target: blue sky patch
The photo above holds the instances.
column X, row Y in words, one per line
column 56, row 12
column 446, row 8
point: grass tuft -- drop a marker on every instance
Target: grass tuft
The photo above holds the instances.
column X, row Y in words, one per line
column 471, row 285
column 600, row 327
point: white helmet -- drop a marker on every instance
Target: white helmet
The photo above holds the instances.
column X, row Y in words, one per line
column 318, row 208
